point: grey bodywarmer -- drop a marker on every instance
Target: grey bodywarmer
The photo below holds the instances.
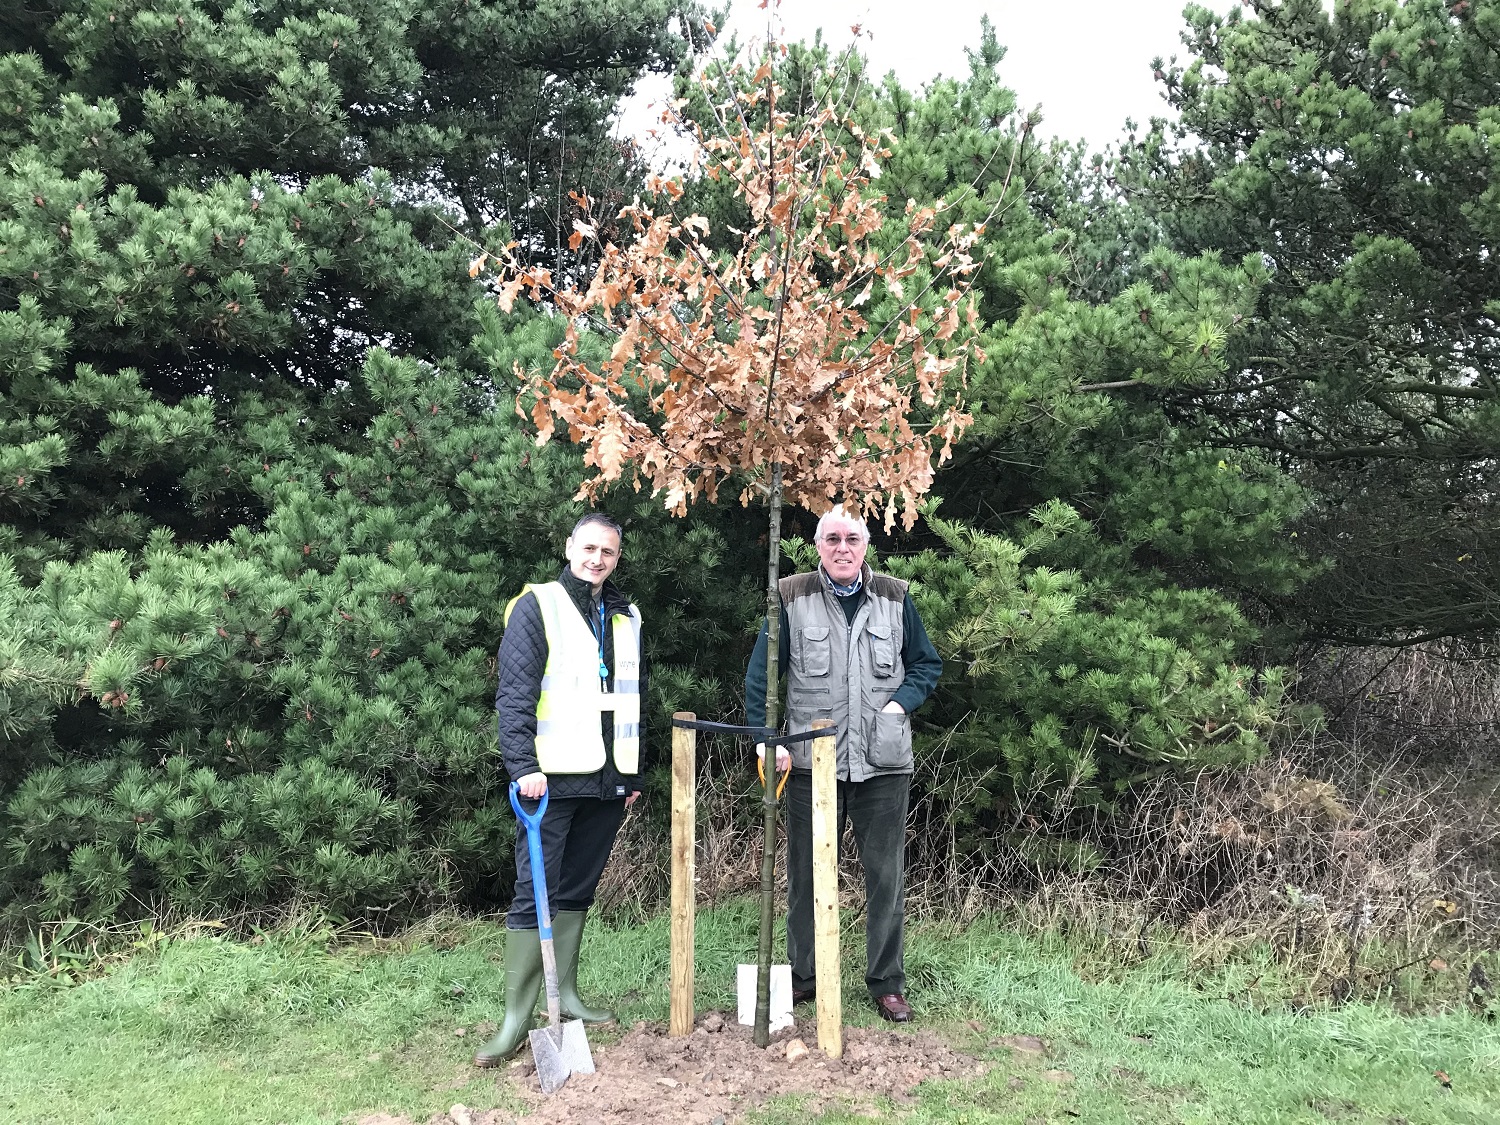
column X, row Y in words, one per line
column 847, row 671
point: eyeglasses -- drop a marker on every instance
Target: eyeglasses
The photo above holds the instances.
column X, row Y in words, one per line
column 846, row 540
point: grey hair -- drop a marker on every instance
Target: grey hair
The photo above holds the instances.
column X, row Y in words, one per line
column 837, row 512
column 601, row 519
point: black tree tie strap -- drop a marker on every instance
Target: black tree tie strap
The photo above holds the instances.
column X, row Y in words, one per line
column 766, row 736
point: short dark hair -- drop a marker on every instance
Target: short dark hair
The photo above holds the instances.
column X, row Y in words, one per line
column 599, row 518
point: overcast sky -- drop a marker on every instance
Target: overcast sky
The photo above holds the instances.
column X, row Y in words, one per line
column 1086, row 63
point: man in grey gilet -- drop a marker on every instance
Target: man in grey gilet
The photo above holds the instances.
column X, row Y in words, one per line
column 852, row 650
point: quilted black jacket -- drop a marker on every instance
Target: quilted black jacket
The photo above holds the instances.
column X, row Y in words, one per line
column 522, row 659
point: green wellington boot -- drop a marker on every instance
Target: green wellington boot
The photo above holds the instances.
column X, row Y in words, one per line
column 567, row 937
column 523, row 981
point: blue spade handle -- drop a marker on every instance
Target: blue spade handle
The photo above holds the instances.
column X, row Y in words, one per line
column 533, row 823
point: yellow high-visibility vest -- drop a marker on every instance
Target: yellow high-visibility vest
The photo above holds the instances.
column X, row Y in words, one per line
column 569, row 737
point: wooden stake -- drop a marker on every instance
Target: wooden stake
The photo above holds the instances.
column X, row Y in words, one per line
column 684, row 872
column 825, row 877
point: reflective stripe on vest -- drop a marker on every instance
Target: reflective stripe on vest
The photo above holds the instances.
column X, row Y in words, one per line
column 568, row 732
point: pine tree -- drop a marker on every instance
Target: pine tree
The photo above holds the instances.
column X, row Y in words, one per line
column 1352, row 148
column 1095, row 544
column 209, row 213
column 270, row 492
column 306, row 710
column 259, row 515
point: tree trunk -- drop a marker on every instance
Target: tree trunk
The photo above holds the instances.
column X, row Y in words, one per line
column 768, row 792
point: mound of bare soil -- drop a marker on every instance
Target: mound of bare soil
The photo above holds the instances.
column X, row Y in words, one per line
column 716, row 1074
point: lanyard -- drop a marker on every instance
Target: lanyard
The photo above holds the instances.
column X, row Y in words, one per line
column 603, row 667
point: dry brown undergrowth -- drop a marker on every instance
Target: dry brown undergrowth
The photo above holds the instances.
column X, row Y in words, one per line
column 1382, row 828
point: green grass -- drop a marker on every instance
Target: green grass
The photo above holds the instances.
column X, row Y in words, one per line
column 292, row 1027
column 213, row 1030
column 1151, row 1044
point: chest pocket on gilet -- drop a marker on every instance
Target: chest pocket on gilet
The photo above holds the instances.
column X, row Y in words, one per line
column 882, row 650
column 812, row 652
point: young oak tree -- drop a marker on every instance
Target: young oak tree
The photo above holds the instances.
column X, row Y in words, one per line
column 819, row 359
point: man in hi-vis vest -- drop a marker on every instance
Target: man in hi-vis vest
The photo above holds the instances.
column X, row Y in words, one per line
column 852, row 650
column 569, row 703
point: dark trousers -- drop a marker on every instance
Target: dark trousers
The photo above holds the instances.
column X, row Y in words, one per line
column 877, row 809
column 577, row 836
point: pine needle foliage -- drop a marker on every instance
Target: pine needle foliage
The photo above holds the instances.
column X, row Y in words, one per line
column 264, row 492
column 258, row 519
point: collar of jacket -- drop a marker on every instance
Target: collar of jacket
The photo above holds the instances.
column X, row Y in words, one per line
column 582, row 594
column 853, row 588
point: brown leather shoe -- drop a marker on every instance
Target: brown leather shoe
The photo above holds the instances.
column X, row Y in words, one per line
column 893, row 1006
column 803, row 995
